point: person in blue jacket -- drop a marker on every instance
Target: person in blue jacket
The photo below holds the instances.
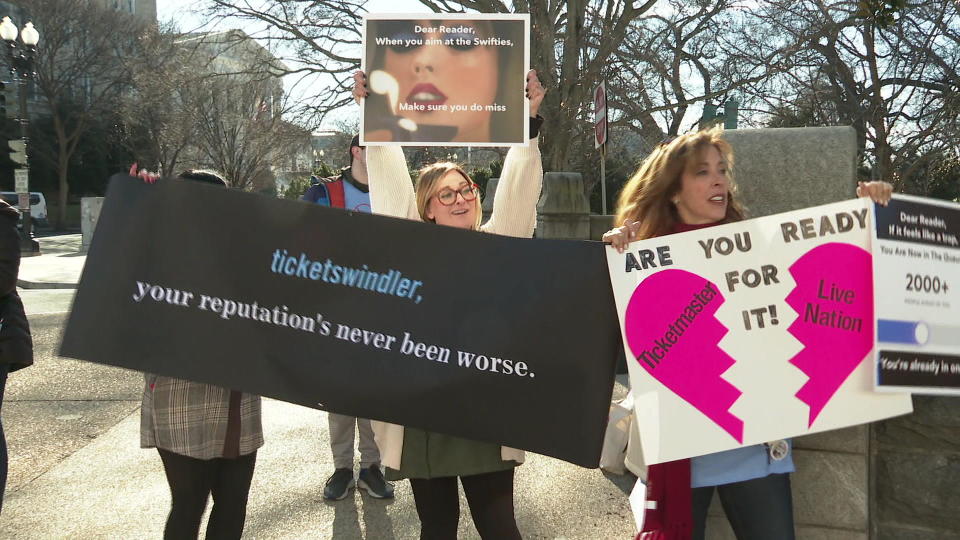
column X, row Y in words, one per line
column 350, row 191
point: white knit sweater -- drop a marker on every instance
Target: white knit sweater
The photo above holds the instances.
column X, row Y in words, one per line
column 514, row 214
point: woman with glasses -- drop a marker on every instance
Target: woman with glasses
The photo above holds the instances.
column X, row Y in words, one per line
column 446, row 195
column 686, row 184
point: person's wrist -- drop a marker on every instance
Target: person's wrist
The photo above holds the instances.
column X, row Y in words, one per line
column 535, row 123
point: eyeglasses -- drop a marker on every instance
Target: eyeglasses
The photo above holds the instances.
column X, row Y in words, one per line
column 448, row 196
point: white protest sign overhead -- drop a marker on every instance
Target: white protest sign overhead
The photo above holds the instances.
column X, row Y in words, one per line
column 452, row 81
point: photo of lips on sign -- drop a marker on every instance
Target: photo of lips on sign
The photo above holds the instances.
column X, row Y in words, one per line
column 455, row 81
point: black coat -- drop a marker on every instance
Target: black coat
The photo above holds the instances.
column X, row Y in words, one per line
column 16, row 343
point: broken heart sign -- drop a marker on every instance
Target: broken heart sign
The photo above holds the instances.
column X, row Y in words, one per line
column 834, row 303
column 673, row 334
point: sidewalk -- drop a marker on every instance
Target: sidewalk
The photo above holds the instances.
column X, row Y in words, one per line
column 113, row 489
column 110, row 488
column 57, row 267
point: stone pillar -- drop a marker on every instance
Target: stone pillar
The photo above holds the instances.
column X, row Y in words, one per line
column 89, row 215
column 779, row 170
column 563, row 211
column 600, row 224
column 487, row 205
column 785, row 169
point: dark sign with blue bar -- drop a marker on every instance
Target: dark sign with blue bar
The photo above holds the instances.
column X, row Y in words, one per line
column 916, row 263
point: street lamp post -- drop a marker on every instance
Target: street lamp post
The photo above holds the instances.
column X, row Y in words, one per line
column 21, row 60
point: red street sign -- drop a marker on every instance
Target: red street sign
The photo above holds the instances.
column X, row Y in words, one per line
column 600, row 115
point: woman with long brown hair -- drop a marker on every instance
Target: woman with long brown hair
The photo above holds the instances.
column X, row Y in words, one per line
column 651, row 204
column 686, row 184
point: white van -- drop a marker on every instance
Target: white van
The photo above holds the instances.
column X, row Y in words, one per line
column 38, row 206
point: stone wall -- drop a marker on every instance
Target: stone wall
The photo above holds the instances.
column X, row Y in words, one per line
column 779, row 170
column 600, row 224
column 830, row 488
column 916, row 471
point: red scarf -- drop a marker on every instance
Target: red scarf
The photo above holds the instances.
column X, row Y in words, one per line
column 668, row 484
column 683, row 227
column 668, row 487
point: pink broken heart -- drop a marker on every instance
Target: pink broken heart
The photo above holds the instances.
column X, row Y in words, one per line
column 834, row 304
column 672, row 332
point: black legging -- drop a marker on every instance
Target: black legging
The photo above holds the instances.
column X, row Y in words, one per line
column 489, row 495
column 757, row 509
column 193, row 480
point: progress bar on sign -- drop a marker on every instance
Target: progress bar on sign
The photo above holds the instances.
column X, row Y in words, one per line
column 917, row 333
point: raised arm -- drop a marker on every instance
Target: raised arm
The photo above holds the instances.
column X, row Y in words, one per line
column 515, row 203
column 391, row 191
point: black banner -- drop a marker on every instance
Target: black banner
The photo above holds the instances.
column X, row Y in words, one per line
column 486, row 337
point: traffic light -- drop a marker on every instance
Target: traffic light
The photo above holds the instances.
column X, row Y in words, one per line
column 18, row 152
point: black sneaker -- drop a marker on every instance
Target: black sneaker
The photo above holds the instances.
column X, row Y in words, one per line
column 338, row 485
column 371, row 479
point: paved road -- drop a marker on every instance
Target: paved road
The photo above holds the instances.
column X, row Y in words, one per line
column 76, row 470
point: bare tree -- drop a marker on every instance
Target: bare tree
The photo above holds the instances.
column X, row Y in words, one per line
column 155, row 111
column 213, row 99
column 882, row 13
column 674, row 61
column 884, row 67
column 572, row 45
column 81, row 72
column 240, row 130
column 926, row 130
column 319, row 41
column 896, row 87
